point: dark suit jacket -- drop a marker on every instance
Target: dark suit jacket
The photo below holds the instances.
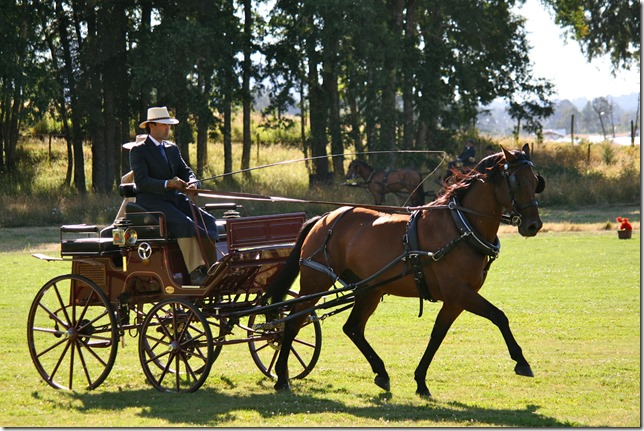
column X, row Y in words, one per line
column 151, row 170
column 468, row 156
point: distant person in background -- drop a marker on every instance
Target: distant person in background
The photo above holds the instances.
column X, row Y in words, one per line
column 467, row 158
column 489, row 150
column 162, row 178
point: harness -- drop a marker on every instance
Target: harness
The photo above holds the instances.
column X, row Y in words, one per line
column 412, row 253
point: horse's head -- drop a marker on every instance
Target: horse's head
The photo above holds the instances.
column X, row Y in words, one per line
column 356, row 169
column 517, row 192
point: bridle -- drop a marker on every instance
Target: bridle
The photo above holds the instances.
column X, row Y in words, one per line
column 509, row 171
column 354, row 169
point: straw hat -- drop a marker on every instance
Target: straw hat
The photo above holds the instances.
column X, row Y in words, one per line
column 158, row 115
column 137, row 141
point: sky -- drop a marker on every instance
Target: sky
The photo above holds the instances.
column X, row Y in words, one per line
column 562, row 62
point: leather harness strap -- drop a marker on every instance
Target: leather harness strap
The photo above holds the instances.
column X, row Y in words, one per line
column 410, row 240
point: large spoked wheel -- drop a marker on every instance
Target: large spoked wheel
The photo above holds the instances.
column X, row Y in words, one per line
column 72, row 333
column 265, row 344
column 176, row 346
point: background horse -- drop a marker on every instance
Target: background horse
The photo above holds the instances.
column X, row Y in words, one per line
column 380, row 182
column 439, row 247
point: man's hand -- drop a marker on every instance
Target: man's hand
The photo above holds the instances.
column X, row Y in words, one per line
column 177, row 183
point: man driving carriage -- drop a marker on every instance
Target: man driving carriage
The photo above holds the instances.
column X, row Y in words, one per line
column 466, row 159
column 162, row 178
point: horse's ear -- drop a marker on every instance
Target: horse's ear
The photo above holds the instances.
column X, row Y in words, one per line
column 508, row 155
column 526, row 150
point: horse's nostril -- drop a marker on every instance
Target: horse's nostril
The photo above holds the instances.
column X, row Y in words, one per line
column 533, row 228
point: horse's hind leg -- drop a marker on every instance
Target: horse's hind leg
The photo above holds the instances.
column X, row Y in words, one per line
column 354, row 328
column 291, row 329
column 311, row 281
column 446, row 316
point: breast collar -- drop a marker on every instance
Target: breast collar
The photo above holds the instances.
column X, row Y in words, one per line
column 471, row 236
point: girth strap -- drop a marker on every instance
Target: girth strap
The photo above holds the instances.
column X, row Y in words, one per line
column 410, row 241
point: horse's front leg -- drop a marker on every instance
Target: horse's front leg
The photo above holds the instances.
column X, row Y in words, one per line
column 446, row 316
column 475, row 303
column 378, row 193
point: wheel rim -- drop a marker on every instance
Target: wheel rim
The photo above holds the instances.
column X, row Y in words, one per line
column 176, row 346
column 265, row 345
column 72, row 333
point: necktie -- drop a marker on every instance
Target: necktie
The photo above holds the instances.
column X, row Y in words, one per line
column 162, row 151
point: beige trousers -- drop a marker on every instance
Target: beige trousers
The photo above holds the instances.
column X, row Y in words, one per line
column 191, row 253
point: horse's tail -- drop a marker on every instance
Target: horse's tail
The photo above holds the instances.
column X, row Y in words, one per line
column 276, row 291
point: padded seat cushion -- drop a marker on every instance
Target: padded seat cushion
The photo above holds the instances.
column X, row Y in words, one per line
column 82, row 246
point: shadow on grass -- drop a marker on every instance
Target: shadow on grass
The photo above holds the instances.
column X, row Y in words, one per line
column 210, row 407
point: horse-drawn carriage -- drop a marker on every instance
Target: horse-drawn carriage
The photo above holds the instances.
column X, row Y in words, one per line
column 127, row 278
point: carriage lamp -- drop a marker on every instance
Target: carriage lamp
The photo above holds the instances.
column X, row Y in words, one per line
column 118, row 236
column 130, row 236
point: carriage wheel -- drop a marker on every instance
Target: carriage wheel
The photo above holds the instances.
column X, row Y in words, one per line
column 160, row 362
column 72, row 333
column 176, row 346
column 265, row 344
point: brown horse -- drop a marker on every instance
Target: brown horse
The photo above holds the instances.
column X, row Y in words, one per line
column 442, row 252
column 380, row 182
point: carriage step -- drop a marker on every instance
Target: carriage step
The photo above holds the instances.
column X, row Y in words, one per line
column 99, row 344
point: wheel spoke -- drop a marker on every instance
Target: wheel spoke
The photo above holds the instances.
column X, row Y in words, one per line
column 185, row 347
column 60, row 328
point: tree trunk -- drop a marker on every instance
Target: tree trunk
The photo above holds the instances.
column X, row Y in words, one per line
column 226, row 130
column 408, row 75
column 331, row 90
column 246, row 95
column 68, row 70
column 318, row 117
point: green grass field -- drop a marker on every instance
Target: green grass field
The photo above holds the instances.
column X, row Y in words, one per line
column 573, row 300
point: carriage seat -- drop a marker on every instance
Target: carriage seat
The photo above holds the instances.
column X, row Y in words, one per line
column 148, row 223
column 87, row 240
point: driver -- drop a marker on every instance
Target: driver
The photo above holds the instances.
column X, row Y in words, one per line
column 466, row 158
column 162, row 178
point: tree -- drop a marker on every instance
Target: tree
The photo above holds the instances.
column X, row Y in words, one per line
column 604, row 111
column 24, row 89
column 602, row 28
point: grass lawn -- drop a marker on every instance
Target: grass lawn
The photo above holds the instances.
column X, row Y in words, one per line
column 573, row 300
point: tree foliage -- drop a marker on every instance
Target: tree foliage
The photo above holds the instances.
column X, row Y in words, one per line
column 381, row 74
column 603, row 27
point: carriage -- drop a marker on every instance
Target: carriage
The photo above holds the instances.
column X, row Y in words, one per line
column 127, row 278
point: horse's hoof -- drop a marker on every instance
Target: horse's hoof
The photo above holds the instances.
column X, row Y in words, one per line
column 423, row 393
column 382, row 382
column 523, row 370
column 282, row 387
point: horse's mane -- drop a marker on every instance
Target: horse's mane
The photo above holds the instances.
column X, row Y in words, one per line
column 464, row 180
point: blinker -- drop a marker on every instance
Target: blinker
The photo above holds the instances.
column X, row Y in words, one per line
column 541, row 184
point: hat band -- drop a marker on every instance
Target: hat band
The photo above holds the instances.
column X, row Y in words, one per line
column 159, row 118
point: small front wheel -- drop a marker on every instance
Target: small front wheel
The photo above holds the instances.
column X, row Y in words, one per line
column 266, row 341
column 72, row 333
column 176, row 346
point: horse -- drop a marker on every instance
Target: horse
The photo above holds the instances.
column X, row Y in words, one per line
column 380, row 182
column 441, row 252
